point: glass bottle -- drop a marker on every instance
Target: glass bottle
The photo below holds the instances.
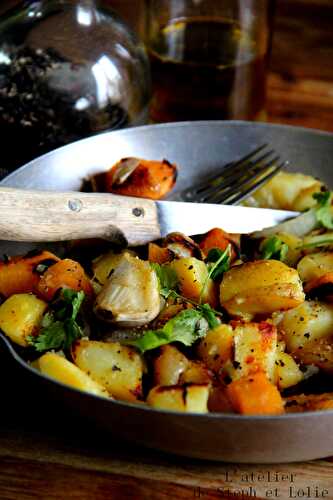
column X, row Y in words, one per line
column 68, row 69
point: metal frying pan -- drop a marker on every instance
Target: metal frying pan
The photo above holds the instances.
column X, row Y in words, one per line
column 198, row 148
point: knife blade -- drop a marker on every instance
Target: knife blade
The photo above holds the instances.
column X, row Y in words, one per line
column 41, row 216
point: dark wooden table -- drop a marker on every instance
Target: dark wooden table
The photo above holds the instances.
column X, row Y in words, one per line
column 46, row 454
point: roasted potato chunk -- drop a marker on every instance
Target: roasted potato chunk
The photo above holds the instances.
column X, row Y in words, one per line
column 116, row 367
column 169, row 366
column 254, row 349
column 190, row 398
column 216, row 348
column 59, row 368
column 20, row 316
column 286, row 191
column 318, row 353
column 130, row 297
column 306, row 323
column 287, row 371
column 315, row 265
column 311, row 402
column 193, row 280
column 260, row 287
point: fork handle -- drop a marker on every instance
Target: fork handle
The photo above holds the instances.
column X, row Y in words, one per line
column 40, row 216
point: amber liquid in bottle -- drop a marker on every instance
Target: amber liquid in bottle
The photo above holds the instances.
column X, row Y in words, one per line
column 206, row 69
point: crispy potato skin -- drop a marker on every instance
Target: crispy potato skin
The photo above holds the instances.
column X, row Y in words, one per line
column 318, row 353
column 216, row 348
column 150, row 179
column 118, row 368
column 286, row 191
column 169, row 366
column 192, row 274
column 190, row 398
column 315, row 265
column 260, row 287
column 255, row 395
column 306, row 323
column 19, row 274
column 311, row 402
column 20, row 316
column 64, row 371
column 66, row 273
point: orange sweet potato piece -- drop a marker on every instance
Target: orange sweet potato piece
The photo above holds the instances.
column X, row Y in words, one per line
column 321, row 287
column 19, row 274
column 217, row 238
column 158, row 254
column 254, row 394
column 137, row 177
column 64, row 274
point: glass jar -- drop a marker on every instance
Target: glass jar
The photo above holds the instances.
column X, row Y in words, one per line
column 68, row 69
column 208, row 58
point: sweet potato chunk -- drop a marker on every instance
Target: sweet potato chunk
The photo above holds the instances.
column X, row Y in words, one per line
column 20, row 274
column 64, row 274
column 159, row 255
column 137, row 177
column 255, row 395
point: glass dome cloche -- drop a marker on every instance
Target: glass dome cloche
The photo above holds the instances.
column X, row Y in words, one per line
column 68, row 69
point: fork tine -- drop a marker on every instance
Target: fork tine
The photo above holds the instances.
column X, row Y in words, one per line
column 270, row 172
column 228, row 168
column 242, row 183
column 233, row 177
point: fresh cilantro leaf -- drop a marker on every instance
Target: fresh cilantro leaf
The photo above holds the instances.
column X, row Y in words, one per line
column 323, row 210
column 274, row 248
column 59, row 327
column 186, row 327
column 218, row 262
column 167, row 278
column 209, row 314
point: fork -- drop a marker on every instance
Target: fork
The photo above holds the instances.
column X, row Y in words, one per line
column 238, row 179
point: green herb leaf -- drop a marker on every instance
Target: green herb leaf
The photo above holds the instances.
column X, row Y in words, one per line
column 167, row 278
column 323, row 210
column 186, row 327
column 210, row 315
column 218, row 262
column 59, row 328
column 274, row 248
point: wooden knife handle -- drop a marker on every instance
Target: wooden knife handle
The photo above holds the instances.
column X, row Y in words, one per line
column 39, row 216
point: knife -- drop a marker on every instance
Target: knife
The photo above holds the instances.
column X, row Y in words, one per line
column 41, row 216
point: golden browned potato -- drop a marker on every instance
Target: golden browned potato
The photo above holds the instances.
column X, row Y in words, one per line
column 310, row 402
column 216, row 348
column 196, row 373
column 169, row 366
column 192, row 274
column 318, row 353
column 67, row 373
column 286, row 191
column 191, row 398
column 260, row 287
column 308, row 322
column 20, row 316
column 287, row 371
column 315, row 265
column 255, row 347
column 116, row 367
